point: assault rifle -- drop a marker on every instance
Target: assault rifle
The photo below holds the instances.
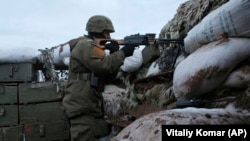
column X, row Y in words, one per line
column 137, row 39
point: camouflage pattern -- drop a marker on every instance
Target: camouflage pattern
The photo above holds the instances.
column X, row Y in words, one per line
column 99, row 23
column 82, row 103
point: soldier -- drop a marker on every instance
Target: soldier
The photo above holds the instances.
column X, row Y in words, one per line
column 89, row 71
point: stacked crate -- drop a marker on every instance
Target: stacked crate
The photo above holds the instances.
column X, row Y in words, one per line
column 29, row 110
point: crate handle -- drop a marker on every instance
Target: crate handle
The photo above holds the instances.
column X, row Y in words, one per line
column 42, row 130
column 2, row 89
column 2, row 111
column 11, row 71
column 13, row 68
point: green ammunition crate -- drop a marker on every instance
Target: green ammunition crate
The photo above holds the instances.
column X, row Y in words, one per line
column 48, row 131
column 29, row 111
column 40, row 112
column 8, row 115
column 8, row 93
column 37, row 92
column 1, row 134
column 23, row 72
column 12, row 133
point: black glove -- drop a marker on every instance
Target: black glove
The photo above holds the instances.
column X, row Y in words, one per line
column 112, row 46
column 128, row 50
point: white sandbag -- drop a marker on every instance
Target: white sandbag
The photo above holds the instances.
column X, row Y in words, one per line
column 33, row 55
column 231, row 19
column 19, row 55
column 134, row 62
column 114, row 100
column 239, row 78
column 153, row 69
column 179, row 59
column 60, row 52
column 66, row 61
column 149, row 127
column 208, row 67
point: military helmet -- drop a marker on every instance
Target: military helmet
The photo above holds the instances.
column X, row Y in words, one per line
column 99, row 23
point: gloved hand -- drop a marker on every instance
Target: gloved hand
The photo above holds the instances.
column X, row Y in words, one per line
column 128, row 50
column 112, row 46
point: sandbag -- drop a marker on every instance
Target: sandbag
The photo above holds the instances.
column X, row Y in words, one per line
column 66, row 61
column 60, row 52
column 114, row 100
column 229, row 20
column 153, row 69
column 19, row 55
column 239, row 78
column 134, row 62
column 149, row 127
column 208, row 67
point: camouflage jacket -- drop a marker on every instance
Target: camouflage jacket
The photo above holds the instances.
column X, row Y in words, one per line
column 80, row 97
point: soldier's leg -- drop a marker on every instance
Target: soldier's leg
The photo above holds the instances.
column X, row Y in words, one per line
column 82, row 132
column 88, row 128
column 82, row 128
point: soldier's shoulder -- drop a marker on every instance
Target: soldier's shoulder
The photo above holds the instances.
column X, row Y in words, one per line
column 85, row 40
column 81, row 39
